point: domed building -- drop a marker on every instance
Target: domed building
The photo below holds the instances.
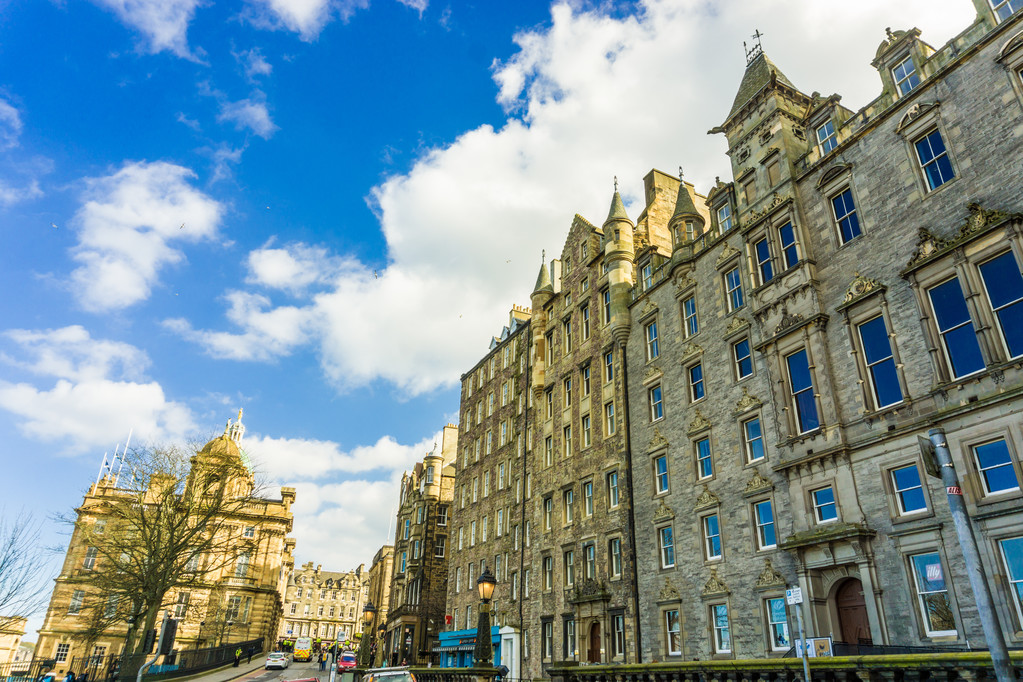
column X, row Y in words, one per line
column 230, row 592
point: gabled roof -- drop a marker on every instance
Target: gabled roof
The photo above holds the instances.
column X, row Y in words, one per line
column 759, row 74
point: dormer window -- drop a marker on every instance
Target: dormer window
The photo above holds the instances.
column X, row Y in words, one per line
column 648, row 276
column 906, row 77
column 1006, row 8
column 826, row 138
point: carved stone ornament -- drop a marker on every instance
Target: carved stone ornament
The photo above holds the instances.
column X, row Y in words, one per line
column 715, row 585
column 669, row 592
column 726, row 253
column 706, row 499
column 689, row 350
column 930, row 245
column 652, row 374
column 737, row 324
column 663, row 512
column 699, row 423
column 769, row 577
column 657, row 442
column 860, row 286
column 684, row 281
column 747, row 401
column 787, row 320
column 757, row 483
column 776, row 200
column 649, row 308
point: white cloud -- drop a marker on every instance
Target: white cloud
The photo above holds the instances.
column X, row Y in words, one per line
column 99, row 391
column 593, row 96
column 71, row 353
column 267, row 332
column 253, row 62
column 291, row 268
column 164, row 23
column 351, row 495
column 10, row 194
column 10, row 124
column 126, row 227
column 249, row 113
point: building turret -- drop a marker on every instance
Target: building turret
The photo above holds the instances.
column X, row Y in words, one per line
column 620, row 259
column 543, row 292
column 686, row 223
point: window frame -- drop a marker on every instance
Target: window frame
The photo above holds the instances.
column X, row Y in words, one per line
column 747, row 448
column 661, row 475
column 666, row 546
column 697, row 384
column 709, row 537
column 737, row 361
column 719, row 644
column 922, row 166
column 652, row 345
column 655, row 403
column 830, row 140
column 919, row 591
column 1012, row 464
column 690, row 316
column 732, row 292
column 817, row 506
column 759, row 538
column 901, row 92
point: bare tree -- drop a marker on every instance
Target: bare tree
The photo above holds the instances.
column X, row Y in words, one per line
column 23, row 569
column 171, row 523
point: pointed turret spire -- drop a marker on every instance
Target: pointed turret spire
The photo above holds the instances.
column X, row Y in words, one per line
column 760, row 73
column 543, row 280
column 617, row 211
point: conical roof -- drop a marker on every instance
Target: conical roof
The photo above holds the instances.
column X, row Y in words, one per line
column 617, row 211
column 543, row 280
column 685, row 205
column 757, row 77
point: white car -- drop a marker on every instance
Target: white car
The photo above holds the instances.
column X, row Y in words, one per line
column 277, row 660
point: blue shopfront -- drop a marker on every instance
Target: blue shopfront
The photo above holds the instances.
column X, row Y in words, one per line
column 455, row 647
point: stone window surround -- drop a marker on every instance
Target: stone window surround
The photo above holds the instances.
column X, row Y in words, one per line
column 768, row 228
column 919, row 121
column 965, row 443
column 862, row 310
column 833, row 181
column 963, row 263
column 1011, row 58
column 712, row 637
column 891, row 495
column 744, row 419
column 811, row 507
column 702, row 526
column 654, row 456
column 807, row 336
column 927, row 543
column 696, row 439
column 767, row 496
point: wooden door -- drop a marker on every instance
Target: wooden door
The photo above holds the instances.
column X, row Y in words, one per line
column 593, row 652
column 852, row 612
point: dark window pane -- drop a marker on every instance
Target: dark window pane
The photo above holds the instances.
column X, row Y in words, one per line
column 1004, row 285
column 799, row 371
column 956, row 328
column 995, row 465
column 877, row 353
column 764, row 260
column 949, row 304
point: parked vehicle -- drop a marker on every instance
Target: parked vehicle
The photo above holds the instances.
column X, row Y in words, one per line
column 402, row 674
column 346, row 661
column 277, row 660
column 303, row 649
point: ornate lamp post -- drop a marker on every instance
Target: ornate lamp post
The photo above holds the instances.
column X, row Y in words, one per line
column 381, row 631
column 483, row 654
column 365, row 651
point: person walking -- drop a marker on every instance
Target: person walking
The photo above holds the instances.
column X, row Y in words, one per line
column 250, row 654
column 323, row 662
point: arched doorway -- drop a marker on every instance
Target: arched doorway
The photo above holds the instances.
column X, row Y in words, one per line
column 853, row 623
column 593, row 650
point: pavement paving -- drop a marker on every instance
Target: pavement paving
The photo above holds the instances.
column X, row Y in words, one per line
column 254, row 672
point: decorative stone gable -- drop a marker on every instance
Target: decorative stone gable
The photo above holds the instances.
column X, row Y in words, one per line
column 706, row 499
column 788, row 320
column 699, row 423
column 747, row 401
column 669, row 592
column 715, row 586
column 690, row 350
column 649, row 308
column 930, row 246
column 860, row 287
column 769, row 577
column 757, row 483
column 657, row 442
column 663, row 513
column 727, row 254
column 736, row 325
column 684, row 282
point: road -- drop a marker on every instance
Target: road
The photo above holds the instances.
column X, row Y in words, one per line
column 295, row 671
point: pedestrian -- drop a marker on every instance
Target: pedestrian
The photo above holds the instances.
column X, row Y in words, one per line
column 237, row 656
column 250, row 655
column 70, row 677
column 323, row 662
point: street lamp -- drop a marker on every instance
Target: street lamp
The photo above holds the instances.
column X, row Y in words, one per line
column 227, row 633
column 483, row 653
column 381, row 631
column 365, row 655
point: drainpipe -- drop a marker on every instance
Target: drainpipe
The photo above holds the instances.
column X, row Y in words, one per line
column 632, row 516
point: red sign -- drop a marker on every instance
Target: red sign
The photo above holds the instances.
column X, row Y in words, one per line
column 954, row 490
column 447, row 620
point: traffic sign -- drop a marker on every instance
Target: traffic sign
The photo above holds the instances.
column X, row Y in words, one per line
column 794, row 595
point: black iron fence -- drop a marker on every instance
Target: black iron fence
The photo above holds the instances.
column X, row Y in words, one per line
column 111, row 668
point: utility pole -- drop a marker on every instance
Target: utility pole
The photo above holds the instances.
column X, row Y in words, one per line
column 935, row 451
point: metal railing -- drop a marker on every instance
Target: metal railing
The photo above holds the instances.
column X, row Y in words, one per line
column 110, row 668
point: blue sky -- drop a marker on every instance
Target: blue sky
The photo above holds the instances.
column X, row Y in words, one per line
column 321, row 210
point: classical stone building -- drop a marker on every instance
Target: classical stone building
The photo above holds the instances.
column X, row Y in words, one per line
column 771, row 349
column 234, row 595
column 380, row 576
column 12, row 629
column 415, row 611
column 324, row 605
column 855, row 285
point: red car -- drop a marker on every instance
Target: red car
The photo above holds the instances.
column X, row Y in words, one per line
column 346, row 661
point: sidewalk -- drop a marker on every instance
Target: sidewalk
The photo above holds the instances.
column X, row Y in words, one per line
column 228, row 672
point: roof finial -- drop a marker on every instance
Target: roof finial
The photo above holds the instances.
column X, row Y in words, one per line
column 543, row 256
column 755, row 51
column 616, row 183
column 680, row 172
column 888, row 31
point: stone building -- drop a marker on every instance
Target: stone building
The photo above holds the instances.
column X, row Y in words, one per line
column 380, row 576
column 784, row 338
column 855, row 285
column 324, row 605
column 232, row 593
column 415, row 613
column 12, row 629
column 489, row 526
